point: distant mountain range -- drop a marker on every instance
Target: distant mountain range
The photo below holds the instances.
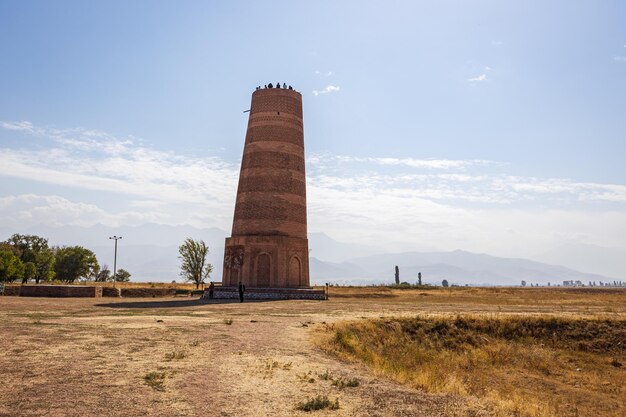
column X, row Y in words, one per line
column 150, row 253
column 458, row 267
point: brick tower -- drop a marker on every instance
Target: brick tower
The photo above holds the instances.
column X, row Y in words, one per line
column 269, row 247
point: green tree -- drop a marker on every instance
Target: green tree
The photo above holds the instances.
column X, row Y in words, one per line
column 11, row 268
column 35, row 249
column 122, row 275
column 29, row 272
column 44, row 265
column 194, row 266
column 74, row 262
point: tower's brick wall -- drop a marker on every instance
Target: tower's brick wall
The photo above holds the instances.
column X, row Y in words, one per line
column 269, row 244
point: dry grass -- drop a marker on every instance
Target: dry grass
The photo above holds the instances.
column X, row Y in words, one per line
column 71, row 357
column 553, row 297
column 518, row 366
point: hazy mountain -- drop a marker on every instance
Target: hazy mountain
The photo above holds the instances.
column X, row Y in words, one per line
column 457, row 267
column 150, row 253
column 585, row 257
column 147, row 234
column 324, row 247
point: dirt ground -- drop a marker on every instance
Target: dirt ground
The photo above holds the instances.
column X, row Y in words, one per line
column 95, row 357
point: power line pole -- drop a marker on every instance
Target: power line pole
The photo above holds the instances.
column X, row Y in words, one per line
column 115, row 238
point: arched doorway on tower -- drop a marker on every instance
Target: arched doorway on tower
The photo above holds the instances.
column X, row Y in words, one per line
column 263, row 270
column 295, row 271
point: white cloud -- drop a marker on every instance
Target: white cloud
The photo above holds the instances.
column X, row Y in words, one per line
column 430, row 163
column 20, row 126
column 324, row 159
column 28, row 210
column 400, row 218
column 497, row 43
column 488, row 68
column 479, row 78
column 152, row 204
column 96, row 161
column 377, row 199
column 619, row 58
column 324, row 74
column 327, row 90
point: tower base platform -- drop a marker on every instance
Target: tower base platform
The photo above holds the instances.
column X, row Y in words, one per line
column 232, row 293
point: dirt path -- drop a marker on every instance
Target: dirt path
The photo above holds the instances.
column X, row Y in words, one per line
column 269, row 366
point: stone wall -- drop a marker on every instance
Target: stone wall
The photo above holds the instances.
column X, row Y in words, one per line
column 60, row 291
column 11, row 290
column 231, row 293
column 111, row 292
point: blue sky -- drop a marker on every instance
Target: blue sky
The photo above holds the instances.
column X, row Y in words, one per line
column 489, row 126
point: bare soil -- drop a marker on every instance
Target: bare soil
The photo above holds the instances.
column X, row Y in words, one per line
column 83, row 357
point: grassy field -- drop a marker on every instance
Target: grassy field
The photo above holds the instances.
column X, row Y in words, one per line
column 527, row 366
column 371, row 351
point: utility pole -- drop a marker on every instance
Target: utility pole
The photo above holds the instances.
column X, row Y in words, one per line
column 115, row 238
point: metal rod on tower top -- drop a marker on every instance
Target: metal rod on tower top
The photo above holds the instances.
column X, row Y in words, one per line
column 116, row 238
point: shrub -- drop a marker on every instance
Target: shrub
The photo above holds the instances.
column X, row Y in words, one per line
column 175, row 355
column 318, row 403
column 343, row 383
column 156, row 380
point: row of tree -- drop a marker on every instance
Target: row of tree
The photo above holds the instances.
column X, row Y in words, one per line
column 29, row 257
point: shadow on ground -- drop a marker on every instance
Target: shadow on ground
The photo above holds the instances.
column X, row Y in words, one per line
column 171, row 303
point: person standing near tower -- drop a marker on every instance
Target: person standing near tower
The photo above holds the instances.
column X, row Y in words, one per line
column 242, row 289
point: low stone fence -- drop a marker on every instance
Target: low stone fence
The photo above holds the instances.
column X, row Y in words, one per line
column 87, row 291
column 12, row 290
column 60, row 291
column 111, row 292
column 148, row 292
column 232, row 293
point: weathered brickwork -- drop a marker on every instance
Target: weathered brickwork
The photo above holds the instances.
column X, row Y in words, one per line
column 269, row 246
column 270, row 132
column 277, row 101
column 282, row 211
column 278, row 183
column 274, row 160
column 264, row 120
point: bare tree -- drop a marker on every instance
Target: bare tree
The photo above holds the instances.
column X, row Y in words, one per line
column 194, row 266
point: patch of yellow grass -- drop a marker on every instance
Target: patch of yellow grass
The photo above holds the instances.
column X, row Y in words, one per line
column 520, row 366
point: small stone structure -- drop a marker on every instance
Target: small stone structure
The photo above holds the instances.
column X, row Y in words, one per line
column 231, row 293
column 60, row 291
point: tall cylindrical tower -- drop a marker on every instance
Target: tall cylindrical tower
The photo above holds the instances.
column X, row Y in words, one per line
column 268, row 246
